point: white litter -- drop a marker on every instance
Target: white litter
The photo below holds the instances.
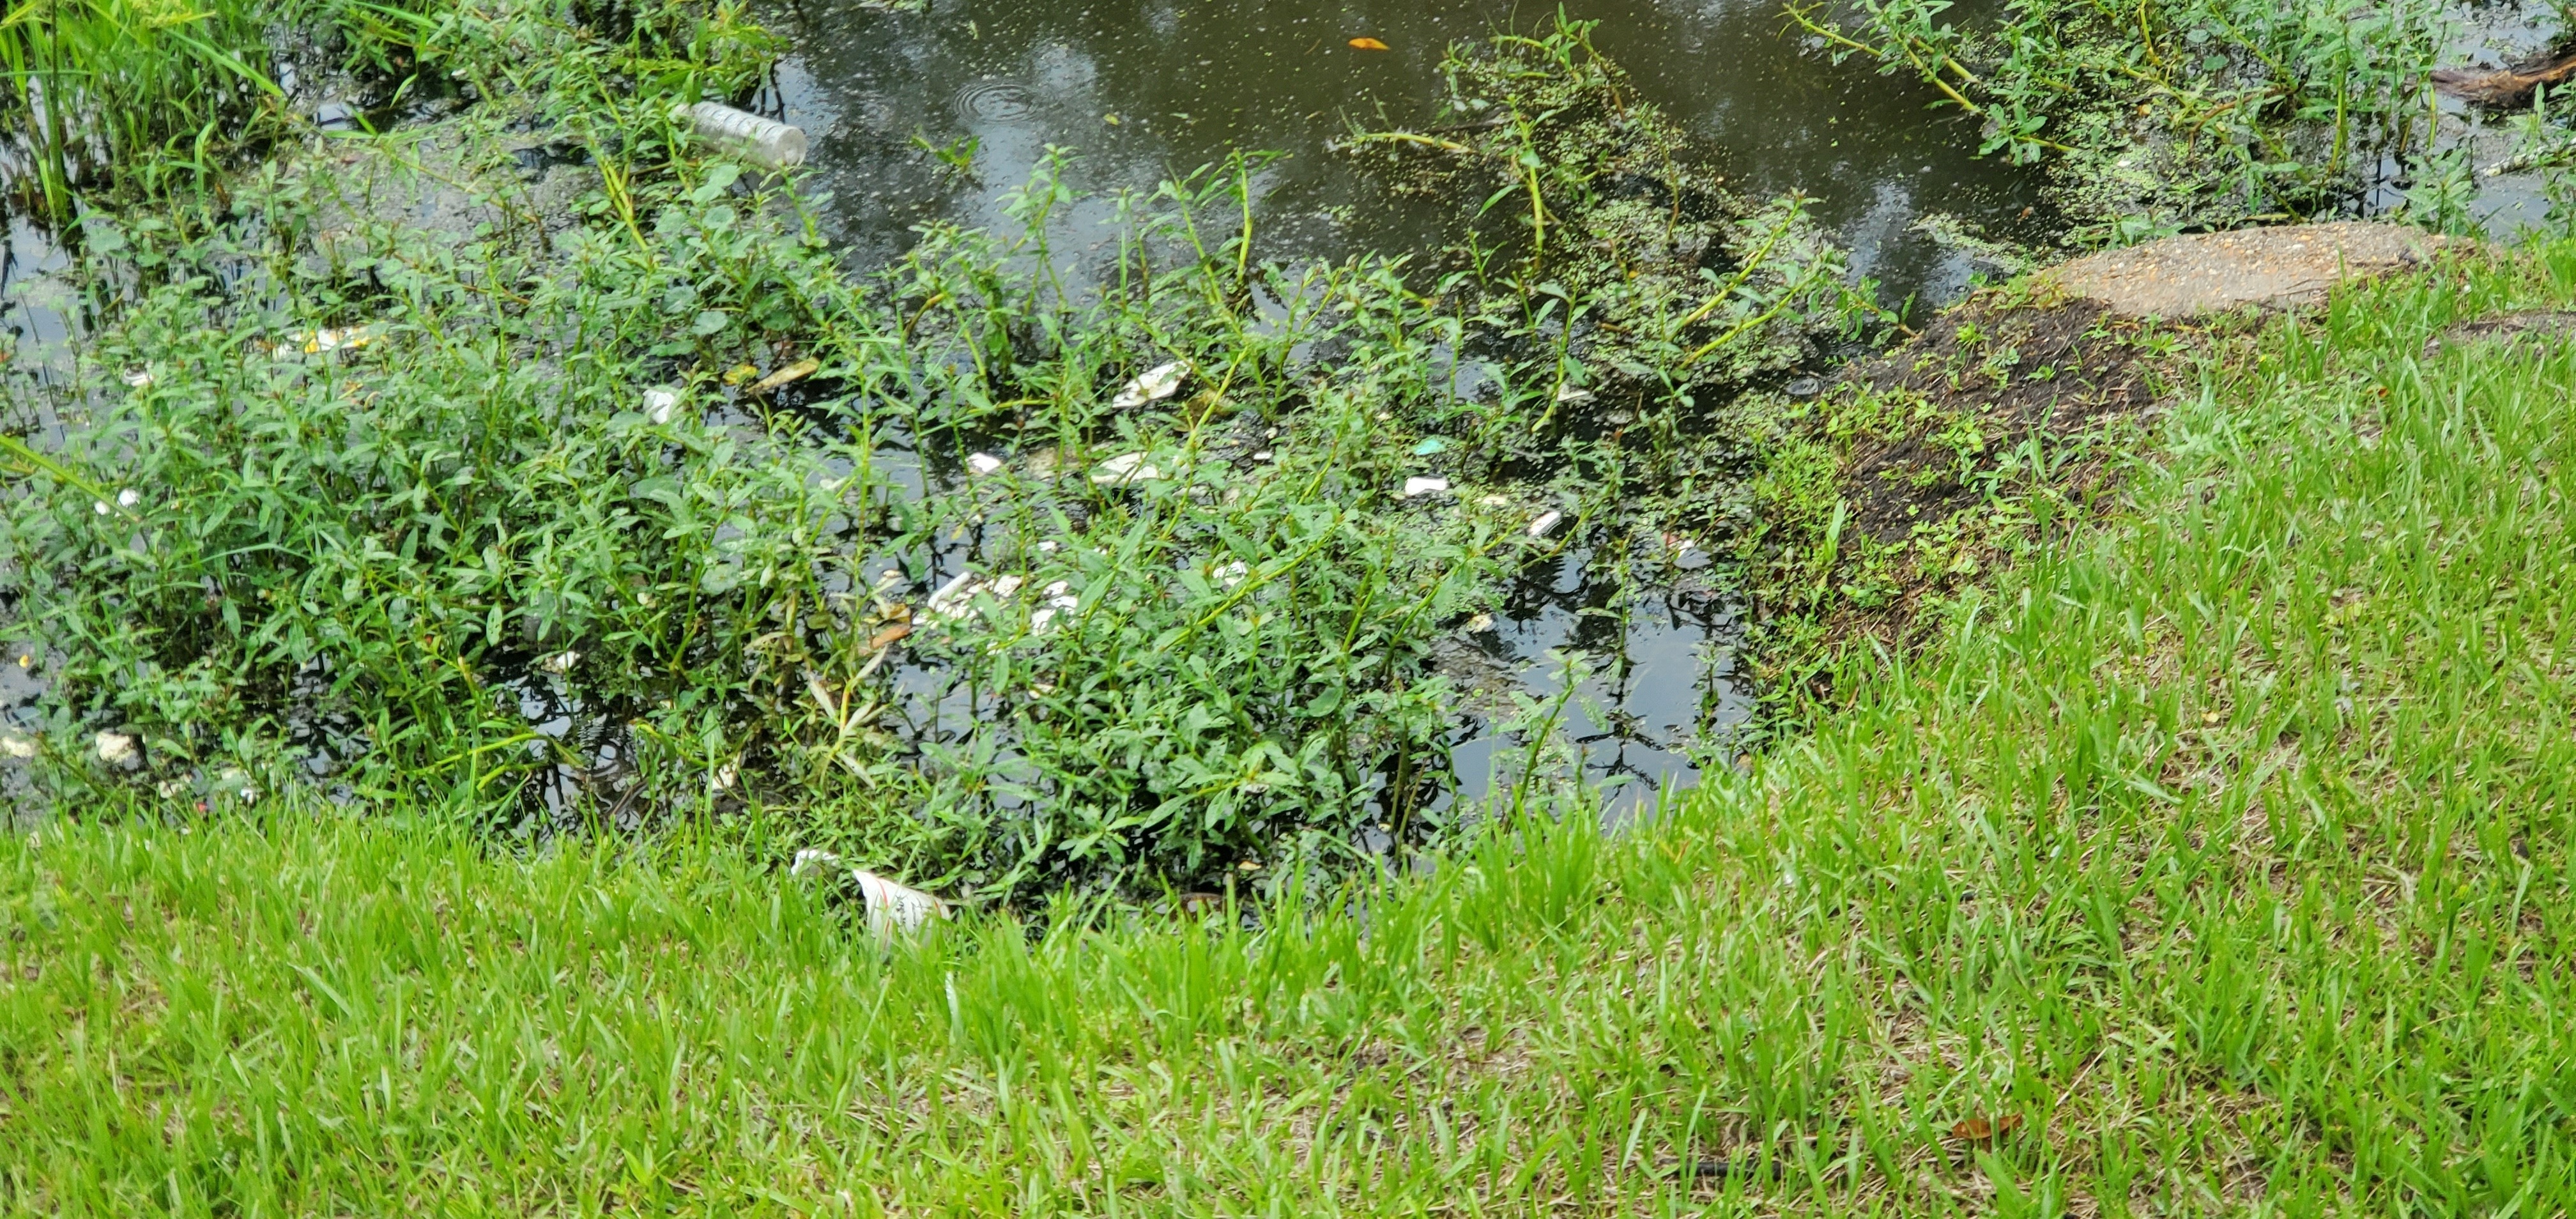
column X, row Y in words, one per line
column 660, row 403
column 1158, row 383
column 1424, row 486
column 128, row 498
column 139, row 379
column 766, row 143
column 1123, row 469
column 953, row 599
column 1572, row 393
column 1059, row 599
column 893, row 907
column 1264, row 455
column 17, row 745
column 983, row 464
column 811, row 858
column 560, row 663
column 1545, row 524
column 114, row 748
column 1233, row 574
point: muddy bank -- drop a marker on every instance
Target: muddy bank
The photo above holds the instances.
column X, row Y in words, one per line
column 2007, row 421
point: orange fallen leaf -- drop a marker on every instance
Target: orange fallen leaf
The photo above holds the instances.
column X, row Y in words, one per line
column 888, row 637
column 1978, row 1129
column 1367, row 44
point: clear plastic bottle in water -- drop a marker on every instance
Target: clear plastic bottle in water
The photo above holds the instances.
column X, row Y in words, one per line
column 766, row 143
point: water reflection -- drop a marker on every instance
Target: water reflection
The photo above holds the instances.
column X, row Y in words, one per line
column 1147, row 90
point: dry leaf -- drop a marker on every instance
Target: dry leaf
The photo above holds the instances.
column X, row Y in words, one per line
column 1978, row 1129
column 797, row 371
column 1367, row 44
column 887, row 637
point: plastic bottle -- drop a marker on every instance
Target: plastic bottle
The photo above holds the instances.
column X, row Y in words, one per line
column 763, row 142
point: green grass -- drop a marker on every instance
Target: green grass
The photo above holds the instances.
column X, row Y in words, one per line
column 2228, row 849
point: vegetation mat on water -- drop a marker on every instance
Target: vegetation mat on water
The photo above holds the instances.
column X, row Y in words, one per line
column 2218, row 859
column 2173, row 115
column 623, row 499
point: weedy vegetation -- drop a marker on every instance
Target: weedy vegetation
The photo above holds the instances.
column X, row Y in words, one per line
column 2217, row 859
column 2159, row 117
column 634, row 504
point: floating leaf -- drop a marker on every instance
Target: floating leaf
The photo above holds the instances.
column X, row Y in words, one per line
column 1367, row 44
column 797, row 371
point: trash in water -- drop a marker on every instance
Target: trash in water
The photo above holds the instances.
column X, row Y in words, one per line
column 1480, row 624
column 1059, row 599
column 766, row 143
column 1233, row 574
column 984, row 463
column 139, row 379
column 1367, row 44
column 953, row 599
column 17, row 745
column 1546, row 523
column 1264, row 455
column 1430, row 446
column 659, row 403
column 329, row 339
column 1123, row 469
column 1573, row 393
column 797, row 371
column 560, row 663
column 1804, row 387
column 114, row 748
column 1159, row 383
column 1424, row 486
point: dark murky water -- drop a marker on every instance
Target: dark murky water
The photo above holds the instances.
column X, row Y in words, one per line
column 1144, row 90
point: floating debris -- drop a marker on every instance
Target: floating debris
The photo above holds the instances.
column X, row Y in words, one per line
column 139, row 379
column 767, row 143
column 659, row 404
column 1158, row 383
column 560, row 663
column 330, row 339
column 1233, row 574
column 1570, row 392
column 1424, row 486
column 1430, row 446
column 1123, row 469
column 114, row 748
column 789, row 375
column 17, row 744
column 983, row 464
column 1059, row 599
column 1368, row 44
column 1546, row 523
column 952, row 600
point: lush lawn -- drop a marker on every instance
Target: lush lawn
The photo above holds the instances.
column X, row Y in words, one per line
column 2220, row 860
